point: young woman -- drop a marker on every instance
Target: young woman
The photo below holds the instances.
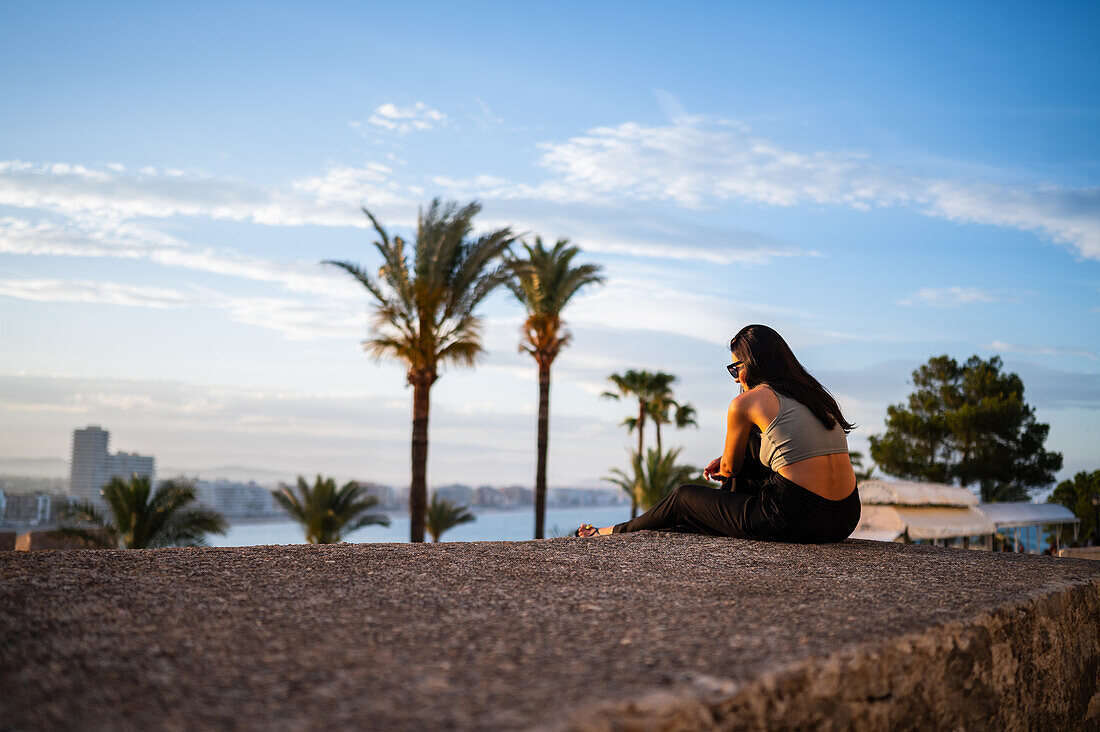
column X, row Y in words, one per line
column 785, row 471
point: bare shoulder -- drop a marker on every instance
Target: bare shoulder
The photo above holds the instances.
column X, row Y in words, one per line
column 758, row 405
column 756, row 401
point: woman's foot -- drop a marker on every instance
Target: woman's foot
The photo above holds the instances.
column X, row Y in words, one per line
column 586, row 530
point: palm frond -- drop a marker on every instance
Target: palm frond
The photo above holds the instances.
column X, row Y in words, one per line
column 327, row 513
column 543, row 282
column 444, row 515
column 142, row 517
column 93, row 538
column 653, row 478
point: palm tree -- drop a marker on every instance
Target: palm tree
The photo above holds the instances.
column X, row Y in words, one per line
column 424, row 313
column 138, row 517
column 326, row 513
column 544, row 282
column 646, row 387
column 444, row 515
column 654, row 478
column 857, row 462
column 666, row 410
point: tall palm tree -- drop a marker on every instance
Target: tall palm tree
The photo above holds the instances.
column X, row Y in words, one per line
column 444, row 515
column 544, row 282
column 654, row 478
column 138, row 517
column 424, row 312
column 666, row 410
column 646, row 387
column 327, row 513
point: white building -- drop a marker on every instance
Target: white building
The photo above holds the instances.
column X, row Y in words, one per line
column 93, row 466
column 236, row 500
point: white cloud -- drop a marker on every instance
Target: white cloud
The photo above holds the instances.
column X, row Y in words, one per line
column 621, row 231
column 1064, row 215
column 331, row 199
column 295, row 319
column 644, row 305
column 86, row 291
column 1003, row 347
column 696, row 162
column 298, row 320
column 402, row 120
column 949, row 297
column 92, row 237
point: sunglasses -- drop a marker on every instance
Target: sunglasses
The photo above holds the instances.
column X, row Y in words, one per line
column 735, row 368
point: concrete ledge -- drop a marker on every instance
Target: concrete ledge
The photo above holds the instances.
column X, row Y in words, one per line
column 650, row 631
column 1083, row 552
column 41, row 539
column 1030, row 667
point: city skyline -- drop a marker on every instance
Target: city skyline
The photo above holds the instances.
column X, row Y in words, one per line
column 170, row 180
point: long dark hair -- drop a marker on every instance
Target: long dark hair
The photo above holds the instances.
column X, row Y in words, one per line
column 767, row 359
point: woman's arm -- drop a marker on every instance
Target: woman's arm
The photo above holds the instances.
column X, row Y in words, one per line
column 738, row 427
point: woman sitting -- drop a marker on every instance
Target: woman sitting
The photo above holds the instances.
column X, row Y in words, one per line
column 785, row 471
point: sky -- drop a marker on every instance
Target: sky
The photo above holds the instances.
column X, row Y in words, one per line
column 880, row 182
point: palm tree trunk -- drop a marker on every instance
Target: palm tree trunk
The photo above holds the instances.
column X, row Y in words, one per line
column 657, row 426
column 543, row 441
column 418, row 489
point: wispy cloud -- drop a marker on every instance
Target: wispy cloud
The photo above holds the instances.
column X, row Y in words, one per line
column 403, row 120
column 87, row 291
column 1065, row 215
column 295, row 319
column 698, row 162
column 486, row 119
column 92, row 237
column 1003, row 347
column 330, row 199
column 695, row 162
column 626, row 231
column 949, row 297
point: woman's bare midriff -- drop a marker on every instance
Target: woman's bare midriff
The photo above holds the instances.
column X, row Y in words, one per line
column 829, row 476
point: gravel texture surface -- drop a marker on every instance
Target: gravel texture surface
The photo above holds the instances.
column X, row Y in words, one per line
column 492, row 635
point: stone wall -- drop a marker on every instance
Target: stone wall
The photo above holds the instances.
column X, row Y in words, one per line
column 639, row 631
column 1082, row 552
column 1033, row 666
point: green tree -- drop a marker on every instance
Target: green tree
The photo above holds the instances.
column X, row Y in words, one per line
column 1078, row 495
column 544, row 281
column 666, row 410
column 444, row 515
column 652, row 479
column 425, row 312
column 328, row 513
column 967, row 424
column 646, row 387
column 138, row 517
column 857, row 463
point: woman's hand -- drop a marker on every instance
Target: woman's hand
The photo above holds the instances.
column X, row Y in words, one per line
column 711, row 471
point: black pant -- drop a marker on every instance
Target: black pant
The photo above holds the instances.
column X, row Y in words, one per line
column 757, row 503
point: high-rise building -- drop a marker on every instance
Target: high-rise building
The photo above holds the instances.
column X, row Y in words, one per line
column 93, row 466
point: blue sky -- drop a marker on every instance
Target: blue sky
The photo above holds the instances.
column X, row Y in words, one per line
column 882, row 184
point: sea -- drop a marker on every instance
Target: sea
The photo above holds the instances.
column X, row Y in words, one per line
column 516, row 525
